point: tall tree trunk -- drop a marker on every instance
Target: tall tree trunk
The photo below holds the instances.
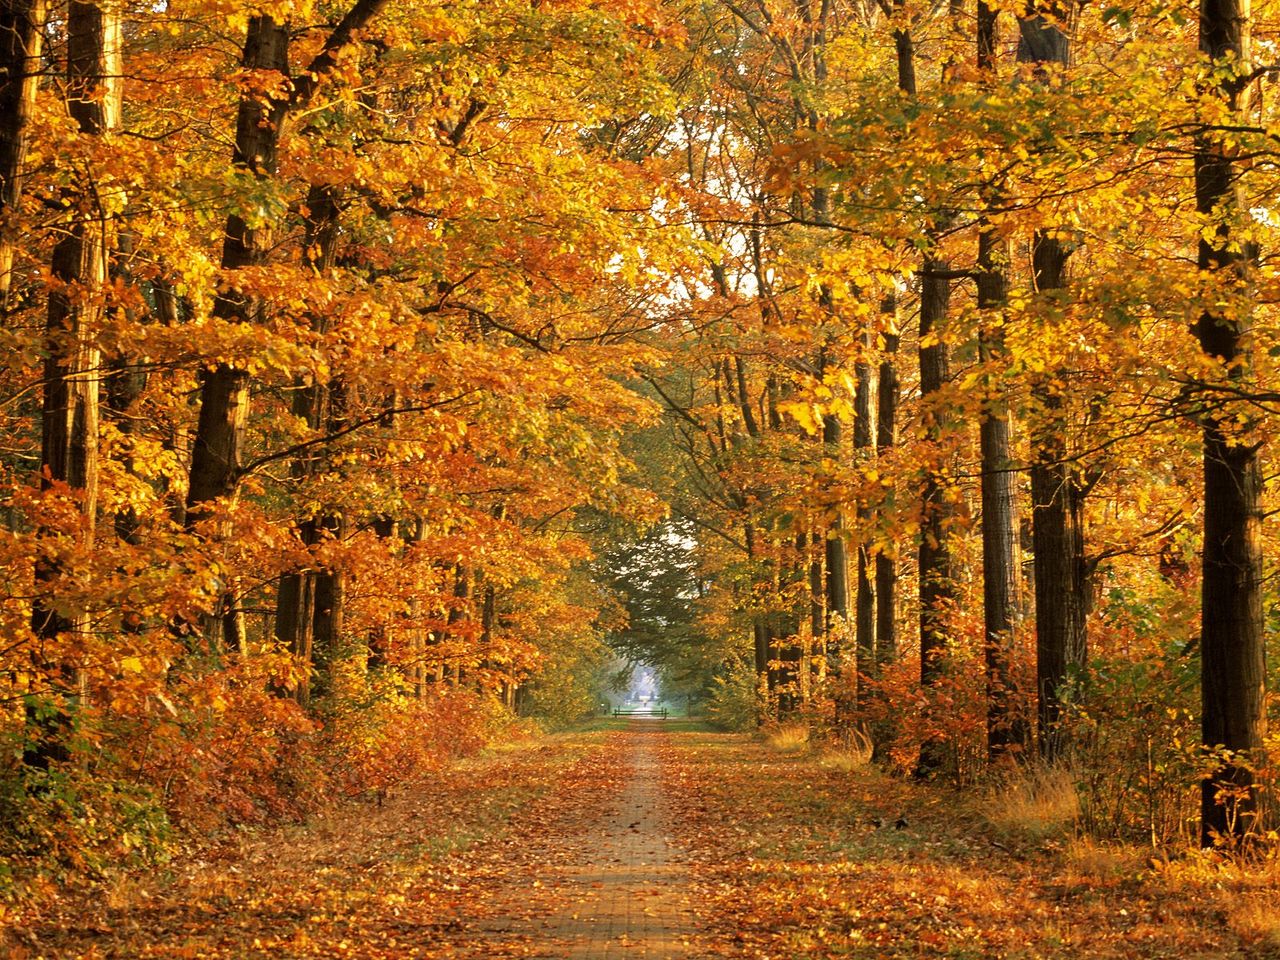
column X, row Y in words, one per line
column 1057, row 493
column 817, row 588
column 937, row 507
column 224, row 393
column 1233, row 669
column 124, row 385
column 735, row 386
column 1000, row 574
column 835, row 550
column 218, row 447
column 296, row 609
column 837, row 560
column 72, row 376
column 886, row 438
column 759, row 619
column 864, row 446
column 330, row 609
column 21, row 36
column 328, row 644
column 295, row 614
column 781, row 628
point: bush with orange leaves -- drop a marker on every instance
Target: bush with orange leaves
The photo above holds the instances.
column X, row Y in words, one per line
column 377, row 734
column 197, row 748
column 950, row 715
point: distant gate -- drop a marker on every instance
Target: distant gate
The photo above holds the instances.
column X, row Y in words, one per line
column 651, row 713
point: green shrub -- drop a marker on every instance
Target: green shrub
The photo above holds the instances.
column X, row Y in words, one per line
column 734, row 703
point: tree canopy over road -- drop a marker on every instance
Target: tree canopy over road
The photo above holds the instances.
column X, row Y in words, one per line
column 373, row 374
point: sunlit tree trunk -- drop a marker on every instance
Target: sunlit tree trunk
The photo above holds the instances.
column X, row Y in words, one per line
column 72, row 374
column 1233, row 669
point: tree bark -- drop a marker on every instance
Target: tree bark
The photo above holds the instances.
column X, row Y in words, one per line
column 218, row 446
column 72, row 375
column 817, row 588
column 886, row 588
column 330, row 609
column 1000, row 580
column 1233, row 669
column 1057, row 493
column 937, row 510
column 837, row 560
column 224, row 396
column 864, row 445
column 937, row 507
column 297, row 612
column 21, row 36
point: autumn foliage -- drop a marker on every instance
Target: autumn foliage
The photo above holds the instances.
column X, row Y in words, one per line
column 367, row 369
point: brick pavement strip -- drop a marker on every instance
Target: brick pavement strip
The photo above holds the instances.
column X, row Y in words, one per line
column 625, row 892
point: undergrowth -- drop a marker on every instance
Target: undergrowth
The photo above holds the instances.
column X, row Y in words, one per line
column 223, row 749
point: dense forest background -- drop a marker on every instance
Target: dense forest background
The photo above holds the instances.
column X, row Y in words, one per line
column 374, row 372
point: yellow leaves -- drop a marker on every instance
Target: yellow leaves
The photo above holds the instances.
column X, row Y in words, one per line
column 807, row 415
column 236, row 14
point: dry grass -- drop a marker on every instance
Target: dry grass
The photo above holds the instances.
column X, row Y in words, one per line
column 851, row 752
column 788, row 737
column 1035, row 801
column 1246, row 893
column 1255, row 918
column 1090, row 863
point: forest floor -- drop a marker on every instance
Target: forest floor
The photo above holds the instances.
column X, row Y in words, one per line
column 659, row 840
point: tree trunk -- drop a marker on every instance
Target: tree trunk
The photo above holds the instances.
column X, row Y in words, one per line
column 224, row 396
column 937, row 507
column 817, row 588
column 330, row 609
column 1057, row 528
column 296, row 609
column 1000, row 569
column 936, row 581
column 886, row 588
column 864, row 445
column 124, row 385
column 837, row 561
column 783, row 626
column 218, row 445
column 330, row 582
column 1000, row 566
column 21, row 36
column 759, row 620
column 1233, row 669
column 295, row 614
column 69, row 413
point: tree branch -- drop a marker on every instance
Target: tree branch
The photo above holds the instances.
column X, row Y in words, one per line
column 308, row 82
column 298, row 448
